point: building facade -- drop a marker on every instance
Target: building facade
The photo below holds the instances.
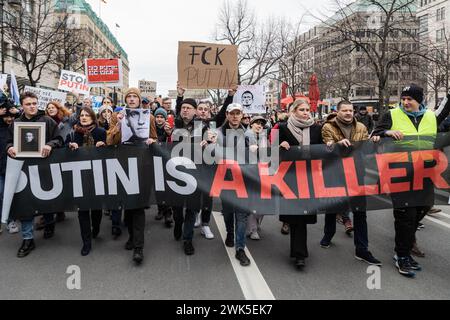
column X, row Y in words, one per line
column 434, row 32
column 83, row 19
column 103, row 43
column 344, row 69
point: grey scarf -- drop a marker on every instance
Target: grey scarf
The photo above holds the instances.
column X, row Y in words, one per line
column 300, row 129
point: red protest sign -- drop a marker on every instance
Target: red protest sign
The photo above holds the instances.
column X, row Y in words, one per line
column 101, row 72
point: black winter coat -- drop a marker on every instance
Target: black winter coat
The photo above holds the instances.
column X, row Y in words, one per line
column 98, row 134
column 53, row 136
column 315, row 138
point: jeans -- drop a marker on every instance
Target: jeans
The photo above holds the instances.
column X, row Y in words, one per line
column 406, row 223
column 235, row 220
column 116, row 218
column 188, row 221
column 27, row 229
column 359, row 226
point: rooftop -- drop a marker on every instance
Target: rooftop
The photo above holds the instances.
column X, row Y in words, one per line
column 83, row 7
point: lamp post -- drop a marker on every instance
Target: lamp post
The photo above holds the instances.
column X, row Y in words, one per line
column 2, row 36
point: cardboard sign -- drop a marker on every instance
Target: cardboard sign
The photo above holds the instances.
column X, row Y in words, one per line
column 73, row 82
column 104, row 72
column 46, row 96
column 148, row 89
column 252, row 99
column 194, row 94
column 207, row 65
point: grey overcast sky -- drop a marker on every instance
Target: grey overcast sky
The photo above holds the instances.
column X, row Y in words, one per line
column 150, row 30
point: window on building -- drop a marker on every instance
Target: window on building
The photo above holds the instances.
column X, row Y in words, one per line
column 423, row 23
column 440, row 14
column 440, row 35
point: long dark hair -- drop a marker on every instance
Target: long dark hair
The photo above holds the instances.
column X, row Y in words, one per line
column 91, row 113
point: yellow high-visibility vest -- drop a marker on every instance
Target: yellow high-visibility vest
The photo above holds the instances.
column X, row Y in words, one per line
column 421, row 138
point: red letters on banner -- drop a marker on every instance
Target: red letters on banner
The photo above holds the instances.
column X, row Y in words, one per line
column 237, row 184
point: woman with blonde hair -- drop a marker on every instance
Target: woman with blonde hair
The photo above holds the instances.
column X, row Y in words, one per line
column 299, row 130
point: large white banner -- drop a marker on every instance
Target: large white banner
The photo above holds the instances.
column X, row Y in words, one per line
column 252, row 98
column 45, row 96
column 73, row 82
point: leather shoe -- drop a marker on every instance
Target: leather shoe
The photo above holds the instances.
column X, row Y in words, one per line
column 26, row 248
column 188, row 248
column 300, row 263
column 229, row 241
column 138, row 255
column 116, row 232
column 86, row 249
column 49, row 231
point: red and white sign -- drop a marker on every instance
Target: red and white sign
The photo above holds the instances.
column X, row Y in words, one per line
column 104, row 72
column 73, row 82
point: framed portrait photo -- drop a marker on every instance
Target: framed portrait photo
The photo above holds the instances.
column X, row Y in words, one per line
column 29, row 139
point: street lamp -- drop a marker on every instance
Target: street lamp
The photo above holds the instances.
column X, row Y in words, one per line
column 13, row 3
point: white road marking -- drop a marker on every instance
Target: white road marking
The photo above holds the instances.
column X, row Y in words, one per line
column 438, row 221
column 441, row 214
column 252, row 282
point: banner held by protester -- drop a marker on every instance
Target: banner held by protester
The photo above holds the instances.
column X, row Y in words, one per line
column 308, row 180
column 46, row 96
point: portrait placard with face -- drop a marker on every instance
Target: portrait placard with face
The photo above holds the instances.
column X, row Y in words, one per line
column 29, row 139
column 135, row 126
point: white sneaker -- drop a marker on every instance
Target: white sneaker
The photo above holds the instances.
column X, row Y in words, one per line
column 254, row 235
column 206, row 231
column 198, row 220
column 13, row 227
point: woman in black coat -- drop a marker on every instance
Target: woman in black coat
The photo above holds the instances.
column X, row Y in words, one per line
column 300, row 129
column 87, row 133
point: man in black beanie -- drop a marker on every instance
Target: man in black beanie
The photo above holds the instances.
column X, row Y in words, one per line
column 365, row 118
column 413, row 120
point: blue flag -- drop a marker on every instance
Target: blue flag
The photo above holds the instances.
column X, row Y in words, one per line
column 14, row 89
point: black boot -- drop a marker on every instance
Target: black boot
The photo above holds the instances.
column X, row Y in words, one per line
column 189, row 248
column 86, row 249
column 300, row 263
column 116, row 232
column 26, row 248
column 138, row 255
column 49, row 231
column 168, row 222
